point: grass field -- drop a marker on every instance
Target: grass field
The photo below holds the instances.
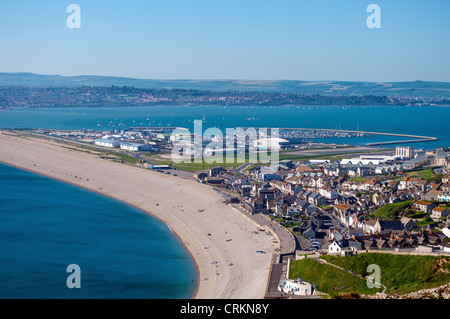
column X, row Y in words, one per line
column 328, row 279
column 425, row 174
column 388, row 211
column 399, row 273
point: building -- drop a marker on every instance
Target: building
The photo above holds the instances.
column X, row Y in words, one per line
column 388, row 226
column 200, row 175
column 438, row 212
column 404, row 152
column 134, row 147
column 443, row 197
column 340, row 247
column 424, row 206
column 215, row 171
column 107, row 142
column 271, row 143
column 296, row 287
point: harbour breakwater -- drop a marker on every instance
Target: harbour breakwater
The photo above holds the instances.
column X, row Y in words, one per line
column 414, row 138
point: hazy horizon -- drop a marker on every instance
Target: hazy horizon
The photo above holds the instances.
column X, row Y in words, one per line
column 215, row 79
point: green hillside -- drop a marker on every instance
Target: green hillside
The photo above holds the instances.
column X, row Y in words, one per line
column 411, row 89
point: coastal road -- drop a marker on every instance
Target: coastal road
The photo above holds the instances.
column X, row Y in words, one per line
column 287, row 240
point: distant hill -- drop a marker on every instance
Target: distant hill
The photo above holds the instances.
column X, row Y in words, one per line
column 390, row 89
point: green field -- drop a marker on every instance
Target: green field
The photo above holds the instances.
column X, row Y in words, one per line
column 206, row 164
column 399, row 273
column 390, row 211
column 425, row 174
column 328, row 279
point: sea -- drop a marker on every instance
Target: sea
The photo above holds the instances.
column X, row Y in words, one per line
column 424, row 121
column 122, row 252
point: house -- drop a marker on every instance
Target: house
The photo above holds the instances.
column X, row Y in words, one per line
column 356, row 232
column 379, row 199
column 309, row 232
column 316, row 199
column 266, row 192
column 438, row 212
column 354, row 244
column 213, row 172
column 200, row 175
column 292, row 211
column 370, row 226
column 268, row 174
column 334, row 234
column 424, row 206
column 334, row 248
column 302, row 205
column 329, row 193
column 355, row 221
column 316, row 221
column 213, row 180
column 370, row 244
column 245, row 190
column 340, row 247
column 370, row 185
column 446, row 178
column 408, row 223
column 281, row 210
column 388, row 226
column 287, row 163
column 255, row 206
column 443, row 197
column 381, row 243
column 296, row 287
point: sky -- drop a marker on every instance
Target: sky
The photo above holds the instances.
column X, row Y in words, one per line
column 314, row 40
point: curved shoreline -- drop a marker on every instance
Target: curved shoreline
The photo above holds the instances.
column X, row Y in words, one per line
column 129, row 204
column 140, row 188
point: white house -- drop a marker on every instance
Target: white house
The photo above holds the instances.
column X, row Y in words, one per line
column 296, row 287
column 339, row 247
column 334, row 248
column 329, row 193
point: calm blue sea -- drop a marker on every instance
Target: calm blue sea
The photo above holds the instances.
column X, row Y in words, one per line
column 46, row 225
column 426, row 121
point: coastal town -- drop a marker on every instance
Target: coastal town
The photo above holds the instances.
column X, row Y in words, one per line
column 401, row 200
column 100, row 96
column 395, row 202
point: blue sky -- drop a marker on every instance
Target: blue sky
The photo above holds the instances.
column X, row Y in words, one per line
column 229, row 39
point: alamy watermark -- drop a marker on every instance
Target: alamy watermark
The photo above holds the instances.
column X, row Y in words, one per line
column 74, row 279
column 237, row 145
column 374, row 279
column 374, row 19
column 73, row 21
